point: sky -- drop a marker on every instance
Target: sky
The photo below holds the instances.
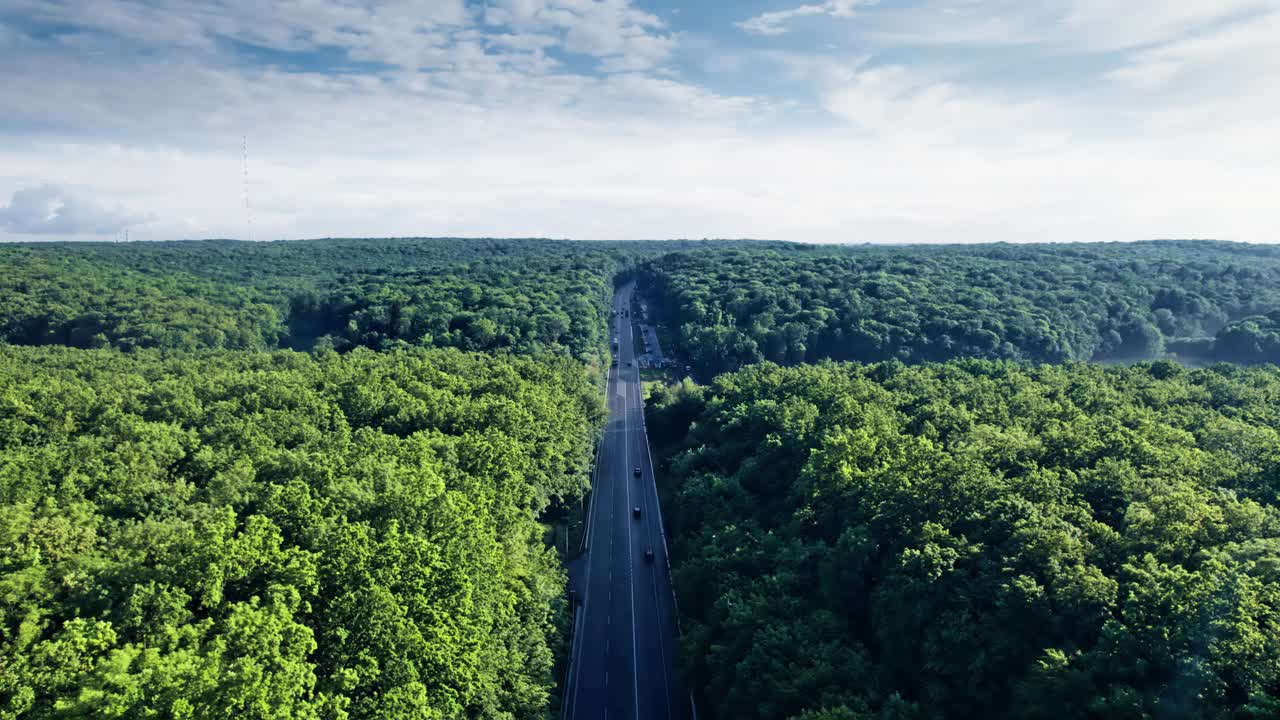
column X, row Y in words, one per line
column 808, row 120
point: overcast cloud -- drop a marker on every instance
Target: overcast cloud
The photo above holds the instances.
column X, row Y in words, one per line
column 825, row 121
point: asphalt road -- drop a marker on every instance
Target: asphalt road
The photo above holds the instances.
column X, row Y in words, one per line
column 623, row 660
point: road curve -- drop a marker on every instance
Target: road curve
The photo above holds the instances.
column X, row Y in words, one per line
column 623, row 658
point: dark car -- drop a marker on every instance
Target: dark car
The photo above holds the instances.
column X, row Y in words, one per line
column 648, row 555
column 635, row 511
column 637, row 471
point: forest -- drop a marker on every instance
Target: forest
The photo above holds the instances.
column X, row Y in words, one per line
column 200, row 522
column 1197, row 302
column 525, row 296
column 977, row 539
column 320, row 479
column 283, row 535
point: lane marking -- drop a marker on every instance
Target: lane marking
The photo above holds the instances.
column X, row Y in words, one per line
column 575, row 650
column 666, row 551
column 631, row 576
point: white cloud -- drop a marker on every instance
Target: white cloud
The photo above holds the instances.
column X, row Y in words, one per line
column 772, row 23
column 56, row 210
column 1059, row 26
column 1103, row 25
column 483, row 126
column 411, row 34
column 624, row 37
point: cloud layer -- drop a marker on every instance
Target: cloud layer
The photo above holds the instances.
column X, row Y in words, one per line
column 774, row 22
column 53, row 210
column 828, row 121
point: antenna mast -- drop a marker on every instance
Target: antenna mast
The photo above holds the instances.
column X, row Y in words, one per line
column 248, row 217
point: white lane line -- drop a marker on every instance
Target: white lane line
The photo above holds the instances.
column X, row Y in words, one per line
column 657, row 603
column 631, row 579
column 631, row 575
column 666, row 552
column 589, row 536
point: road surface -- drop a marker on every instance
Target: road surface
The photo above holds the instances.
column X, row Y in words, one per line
column 623, row 658
column 654, row 355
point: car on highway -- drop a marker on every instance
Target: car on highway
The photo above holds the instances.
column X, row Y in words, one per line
column 648, row 555
column 637, row 471
column 635, row 511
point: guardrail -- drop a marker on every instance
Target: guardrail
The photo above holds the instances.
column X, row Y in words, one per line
column 662, row 530
column 574, row 608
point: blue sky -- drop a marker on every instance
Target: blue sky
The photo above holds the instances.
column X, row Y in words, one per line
column 825, row 120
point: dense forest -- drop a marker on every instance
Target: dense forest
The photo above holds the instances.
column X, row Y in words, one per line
column 533, row 305
column 1041, row 303
column 526, row 296
column 282, row 535
column 977, row 539
column 198, row 524
column 317, row 479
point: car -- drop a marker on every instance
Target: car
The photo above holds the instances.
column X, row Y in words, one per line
column 648, row 555
column 635, row 511
column 629, row 363
column 637, row 471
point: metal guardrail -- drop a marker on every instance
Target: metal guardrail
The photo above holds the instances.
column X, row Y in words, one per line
column 662, row 530
column 586, row 533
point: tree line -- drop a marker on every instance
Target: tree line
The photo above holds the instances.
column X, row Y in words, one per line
column 523, row 296
column 1195, row 301
column 976, row 539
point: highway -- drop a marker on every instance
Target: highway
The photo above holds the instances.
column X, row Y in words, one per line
column 623, row 662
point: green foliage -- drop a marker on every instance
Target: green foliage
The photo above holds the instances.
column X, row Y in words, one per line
column 978, row 539
column 276, row 535
column 52, row 299
column 519, row 295
column 1120, row 302
column 205, row 525
column 1251, row 340
column 532, row 305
